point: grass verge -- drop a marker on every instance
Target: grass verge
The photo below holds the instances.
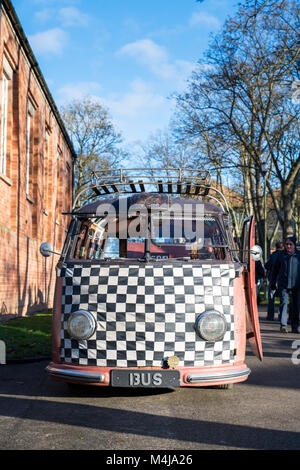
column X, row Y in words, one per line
column 27, row 337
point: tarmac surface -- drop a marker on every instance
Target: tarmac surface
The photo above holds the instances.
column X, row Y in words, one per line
column 262, row 413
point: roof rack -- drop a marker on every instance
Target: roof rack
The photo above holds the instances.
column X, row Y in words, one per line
column 175, row 181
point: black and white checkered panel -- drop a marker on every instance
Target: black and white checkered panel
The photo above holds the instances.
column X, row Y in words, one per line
column 146, row 314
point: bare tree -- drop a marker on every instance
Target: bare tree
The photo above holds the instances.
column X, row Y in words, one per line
column 240, row 95
column 94, row 138
column 161, row 150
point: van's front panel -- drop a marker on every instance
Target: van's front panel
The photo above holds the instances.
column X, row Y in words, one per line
column 147, row 313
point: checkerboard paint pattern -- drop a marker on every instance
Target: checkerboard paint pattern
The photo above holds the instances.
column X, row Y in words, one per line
column 147, row 313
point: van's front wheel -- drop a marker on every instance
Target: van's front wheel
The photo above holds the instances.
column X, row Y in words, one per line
column 225, row 386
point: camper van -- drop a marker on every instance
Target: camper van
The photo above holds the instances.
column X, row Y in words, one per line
column 151, row 287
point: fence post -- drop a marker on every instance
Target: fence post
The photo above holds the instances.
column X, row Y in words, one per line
column 2, row 352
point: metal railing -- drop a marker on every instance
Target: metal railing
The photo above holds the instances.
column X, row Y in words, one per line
column 176, row 181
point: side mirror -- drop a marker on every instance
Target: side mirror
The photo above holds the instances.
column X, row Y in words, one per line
column 46, row 249
column 256, row 252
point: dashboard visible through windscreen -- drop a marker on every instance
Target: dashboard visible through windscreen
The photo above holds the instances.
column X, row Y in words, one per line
column 169, row 237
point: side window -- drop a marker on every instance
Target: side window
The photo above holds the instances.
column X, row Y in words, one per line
column 6, row 113
column 88, row 242
column 245, row 241
column 29, row 149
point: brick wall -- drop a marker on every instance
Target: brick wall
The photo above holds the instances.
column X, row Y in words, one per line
column 36, row 185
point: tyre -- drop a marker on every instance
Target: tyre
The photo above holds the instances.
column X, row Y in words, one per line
column 225, row 386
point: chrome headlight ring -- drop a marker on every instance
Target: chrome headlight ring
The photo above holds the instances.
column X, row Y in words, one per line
column 81, row 325
column 211, row 326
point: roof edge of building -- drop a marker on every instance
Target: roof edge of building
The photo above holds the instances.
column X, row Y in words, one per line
column 10, row 11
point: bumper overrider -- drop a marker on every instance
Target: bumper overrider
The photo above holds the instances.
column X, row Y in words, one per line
column 149, row 377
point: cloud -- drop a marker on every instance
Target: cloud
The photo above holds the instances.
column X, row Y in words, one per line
column 44, row 15
column 137, row 101
column 52, row 41
column 71, row 16
column 136, row 113
column 54, row 2
column 203, row 18
column 139, row 111
column 66, row 16
column 145, row 51
column 182, row 70
column 76, row 91
column 155, row 57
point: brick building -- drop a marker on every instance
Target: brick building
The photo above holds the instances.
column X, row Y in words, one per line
column 36, row 174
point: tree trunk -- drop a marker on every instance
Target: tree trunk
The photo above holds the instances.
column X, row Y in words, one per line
column 288, row 229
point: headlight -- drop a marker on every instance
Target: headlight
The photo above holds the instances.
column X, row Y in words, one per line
column 81, row 324
column 211, row 326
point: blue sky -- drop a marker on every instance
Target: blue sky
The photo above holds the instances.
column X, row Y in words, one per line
column 130, row 54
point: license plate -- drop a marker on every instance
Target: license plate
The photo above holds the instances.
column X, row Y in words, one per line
column 145, row 378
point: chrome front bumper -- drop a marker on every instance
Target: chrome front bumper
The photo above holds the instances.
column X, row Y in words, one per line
column 187, row 377
column 218, row 376
column 87, row 377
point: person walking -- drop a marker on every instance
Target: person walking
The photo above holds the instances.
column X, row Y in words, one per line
column 286, row 277
column 272, row 293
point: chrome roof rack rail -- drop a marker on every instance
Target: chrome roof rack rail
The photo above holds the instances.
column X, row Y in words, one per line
column 192, row 182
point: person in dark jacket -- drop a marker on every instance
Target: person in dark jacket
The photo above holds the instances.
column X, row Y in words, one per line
column 268, row 266
column 285, row 276
column 259, row 277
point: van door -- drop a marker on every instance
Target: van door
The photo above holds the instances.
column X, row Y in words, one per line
column 253, row 329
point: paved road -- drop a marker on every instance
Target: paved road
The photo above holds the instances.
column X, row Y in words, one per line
column 262, row 413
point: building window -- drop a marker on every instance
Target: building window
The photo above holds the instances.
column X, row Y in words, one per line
column 59, row 190
column 29, row 149
column 59, row 159
column 5, row 106
column 47, row 170
column 68, row 199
